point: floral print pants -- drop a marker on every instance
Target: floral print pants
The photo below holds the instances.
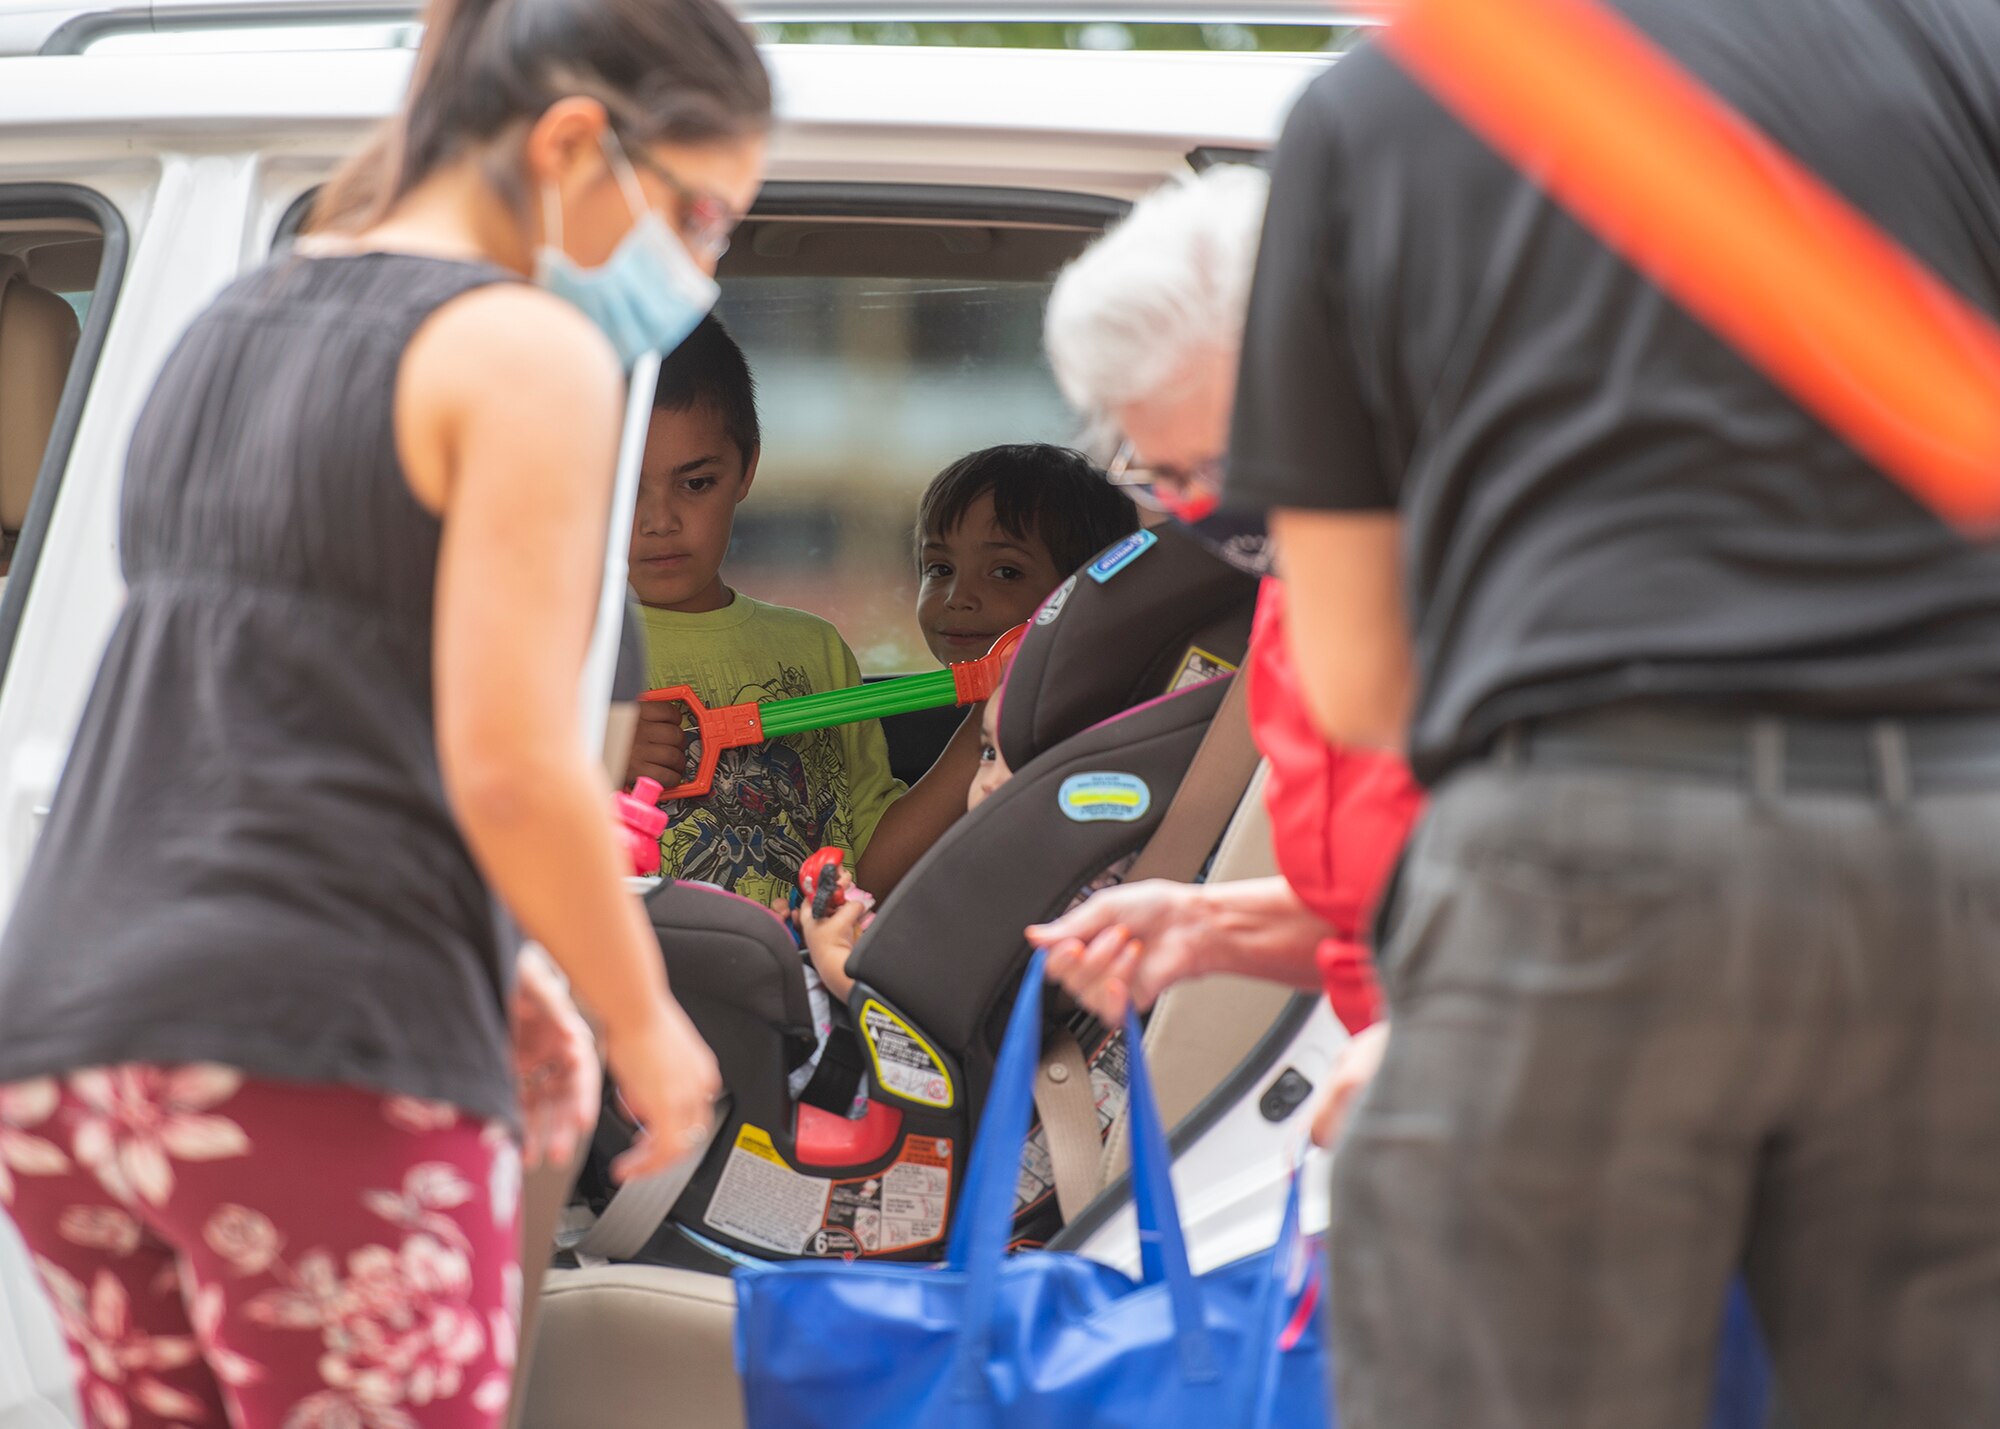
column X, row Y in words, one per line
column 223, row 1251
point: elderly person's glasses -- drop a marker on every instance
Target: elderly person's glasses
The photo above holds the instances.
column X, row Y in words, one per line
column 1188, row 494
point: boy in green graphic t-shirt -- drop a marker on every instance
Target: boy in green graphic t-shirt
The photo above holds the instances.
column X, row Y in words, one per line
column 775, row 803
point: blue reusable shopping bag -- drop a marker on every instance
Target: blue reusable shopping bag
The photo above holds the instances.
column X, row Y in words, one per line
column 1041, row 1339
column 1742, row 1370
column 1045, row 1340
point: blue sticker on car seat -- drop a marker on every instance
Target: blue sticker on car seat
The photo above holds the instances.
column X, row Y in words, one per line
column 1121, row 555
column 1104, row 796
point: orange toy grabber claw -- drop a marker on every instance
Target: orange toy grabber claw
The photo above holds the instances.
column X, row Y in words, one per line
column 738, row 726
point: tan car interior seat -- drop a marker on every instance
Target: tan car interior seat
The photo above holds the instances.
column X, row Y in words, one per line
column 635, row 1347
column 38, row 333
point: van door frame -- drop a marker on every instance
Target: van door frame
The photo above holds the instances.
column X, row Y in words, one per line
column 60, row 200
column 607, row 631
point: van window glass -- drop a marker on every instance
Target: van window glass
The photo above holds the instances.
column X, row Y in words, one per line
column 882, row 352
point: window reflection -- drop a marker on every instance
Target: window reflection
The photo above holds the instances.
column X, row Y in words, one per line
column 867, row 387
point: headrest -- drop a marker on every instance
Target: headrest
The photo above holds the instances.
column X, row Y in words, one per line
column 722, row 947
column 66, row 267
column 1155, row 612
column 38, row 333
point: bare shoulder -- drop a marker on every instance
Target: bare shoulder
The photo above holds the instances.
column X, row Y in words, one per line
column 505, row 368
column 507, row 341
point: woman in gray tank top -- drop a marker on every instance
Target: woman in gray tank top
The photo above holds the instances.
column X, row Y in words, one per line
column 258, row 1083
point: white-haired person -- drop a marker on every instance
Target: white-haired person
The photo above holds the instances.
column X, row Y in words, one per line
column 1144, row 332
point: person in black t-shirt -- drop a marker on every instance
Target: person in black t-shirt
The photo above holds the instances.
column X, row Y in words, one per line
column 1695, row 962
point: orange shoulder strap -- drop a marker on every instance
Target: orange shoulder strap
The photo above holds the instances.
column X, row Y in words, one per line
column 1739, row 232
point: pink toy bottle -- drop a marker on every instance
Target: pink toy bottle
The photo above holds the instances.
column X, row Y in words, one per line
column 641, row 820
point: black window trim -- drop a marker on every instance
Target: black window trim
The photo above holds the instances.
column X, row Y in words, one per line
column 294, row 217
column 1204, row 157
column 60, row 200
column 961, row 203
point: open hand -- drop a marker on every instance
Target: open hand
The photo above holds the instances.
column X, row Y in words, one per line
column 1125, row 946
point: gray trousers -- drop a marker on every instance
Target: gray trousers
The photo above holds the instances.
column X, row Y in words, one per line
column 1674, row 997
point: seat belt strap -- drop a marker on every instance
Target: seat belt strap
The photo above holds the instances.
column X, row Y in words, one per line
column 1196, row 819
column 1208, row 795
column 637, row 1209
column 1068, row 1108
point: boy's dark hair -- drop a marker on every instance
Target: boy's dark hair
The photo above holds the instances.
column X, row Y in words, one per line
column 709, row 368
column 1051, row 493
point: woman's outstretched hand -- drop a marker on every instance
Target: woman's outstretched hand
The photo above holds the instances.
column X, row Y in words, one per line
column 1125, row 946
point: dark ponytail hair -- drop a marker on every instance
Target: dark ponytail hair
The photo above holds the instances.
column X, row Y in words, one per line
column 685, row 71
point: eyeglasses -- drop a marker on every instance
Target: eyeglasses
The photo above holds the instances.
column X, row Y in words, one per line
column 1166, row 489
column 706, row 221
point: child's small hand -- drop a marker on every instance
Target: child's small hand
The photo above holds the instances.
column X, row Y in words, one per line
column 830, row 940
column 659, row 749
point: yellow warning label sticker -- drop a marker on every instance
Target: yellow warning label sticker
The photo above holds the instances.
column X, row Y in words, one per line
column 762, row 1201
column 758, row 1143
column 904, row 1062
column 1198, row 667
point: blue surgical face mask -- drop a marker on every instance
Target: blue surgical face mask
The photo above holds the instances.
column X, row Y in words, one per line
column 649, row 294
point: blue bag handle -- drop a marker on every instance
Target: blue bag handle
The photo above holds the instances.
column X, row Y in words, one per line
column 978, row 1243
column 1275, row 1309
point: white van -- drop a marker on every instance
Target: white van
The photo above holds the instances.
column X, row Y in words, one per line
column 888, row 290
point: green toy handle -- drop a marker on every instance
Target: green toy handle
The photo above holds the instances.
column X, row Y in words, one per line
column 736, row 726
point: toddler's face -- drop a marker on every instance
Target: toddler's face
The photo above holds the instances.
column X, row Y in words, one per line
column 993, row 770
column 979, row 582
column 690, row 480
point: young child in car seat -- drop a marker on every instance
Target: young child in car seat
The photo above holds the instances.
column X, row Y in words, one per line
column 993, row 770
column 773, row 804
column 997, row 531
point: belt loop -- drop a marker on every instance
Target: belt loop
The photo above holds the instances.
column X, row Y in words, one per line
column 1767, row 761
column 1510, row 747
column 1892, row 764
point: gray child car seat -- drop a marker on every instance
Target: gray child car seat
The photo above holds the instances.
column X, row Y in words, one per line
column 1108, row 701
